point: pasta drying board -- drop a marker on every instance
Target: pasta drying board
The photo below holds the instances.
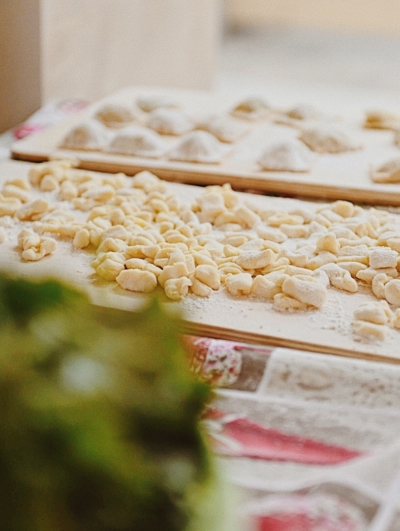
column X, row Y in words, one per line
column 326, row 330
column 333, row 176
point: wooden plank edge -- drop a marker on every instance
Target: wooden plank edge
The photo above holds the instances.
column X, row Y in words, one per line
column 28, row 157
column 261, row 184
column 214, row 332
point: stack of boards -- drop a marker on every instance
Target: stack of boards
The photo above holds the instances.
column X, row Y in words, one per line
column 244, row 133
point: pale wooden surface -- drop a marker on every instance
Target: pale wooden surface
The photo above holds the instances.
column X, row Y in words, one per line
column 373, row 16
column 339, row 176
column 327, row 330
column 91, row 48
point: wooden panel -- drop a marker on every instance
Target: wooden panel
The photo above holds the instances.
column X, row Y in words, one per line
column 51, row 49
column 339, row 176
column 327, row 330
column 19, row 61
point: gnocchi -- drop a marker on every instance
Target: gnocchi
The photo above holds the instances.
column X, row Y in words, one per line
column 143, row 236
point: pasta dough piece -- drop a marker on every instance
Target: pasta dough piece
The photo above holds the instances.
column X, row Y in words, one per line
column 270, row 234
column 284, row 302
column 352, row 267
column 383, row 258
column 303, row 111
column 208, row 275
column 264, row 288
column 151, row 103
column 115, row 115
column 327, row 242
column 225, row 128
column 136, row 141
column 81, row 239
column 394, row 244
column 376, row 119
column 290, row 155
column 389, row 172
column 251, row 108
column 239, row 284
column 33, row 210
column 177, row 270
column 392, row 292
column 170, row 122
column 109, row 269
column 296, row 259
column 396, row 319
column 137, row 280
column 256, row 259
column 378, row 285
column 377, row 312
column 340, row 278
column 370, row 331
column 396, row 138
column 177, row 288
column 367, row 275
column 343, row 208
column 298, row 114
column 305, row 289
column 198, row 146
column 9, row 206
column 10, row 190
column 327, row 139
column 87, row 136
column 246, row 218
column 199, row 288
column 34, row 247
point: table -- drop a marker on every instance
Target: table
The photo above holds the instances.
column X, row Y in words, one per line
column 301, row 428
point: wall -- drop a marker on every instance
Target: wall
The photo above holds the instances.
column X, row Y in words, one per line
column 372, row 16
column 93, row 47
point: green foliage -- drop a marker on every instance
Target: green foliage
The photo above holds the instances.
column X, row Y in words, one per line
column 99, row 415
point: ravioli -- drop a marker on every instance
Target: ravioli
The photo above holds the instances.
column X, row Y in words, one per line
column 151, row 103
column 225, row 128
column 137, row 141
column 289, row 155
column 116, row 115
column 251, row 108
column 389, row 172
column 303, row 111
column 87, row 136
column 376, row 119
column 198, row 146
column 168, row 121
column 328, row 139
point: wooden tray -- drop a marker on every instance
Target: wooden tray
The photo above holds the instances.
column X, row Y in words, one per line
column 251, row 320
column 339, row 176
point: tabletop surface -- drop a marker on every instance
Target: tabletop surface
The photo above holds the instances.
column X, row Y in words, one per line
column 344, row 405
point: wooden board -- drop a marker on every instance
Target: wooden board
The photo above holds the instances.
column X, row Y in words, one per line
column 326, row 330
column 338, row 176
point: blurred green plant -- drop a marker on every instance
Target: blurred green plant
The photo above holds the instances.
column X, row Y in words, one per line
column 99, row 416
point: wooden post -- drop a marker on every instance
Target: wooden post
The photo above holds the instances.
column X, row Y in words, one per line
column 20, row 78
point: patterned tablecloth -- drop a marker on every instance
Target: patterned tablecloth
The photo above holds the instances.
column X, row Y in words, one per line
column 311, row 442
